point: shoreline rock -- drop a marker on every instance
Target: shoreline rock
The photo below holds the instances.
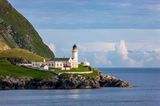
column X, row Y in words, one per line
column 63, row 81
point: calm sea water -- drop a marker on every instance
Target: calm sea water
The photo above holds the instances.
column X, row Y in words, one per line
column 145, row 93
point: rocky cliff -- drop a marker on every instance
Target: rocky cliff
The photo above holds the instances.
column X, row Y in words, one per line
column 17, row 32
column 63, row 81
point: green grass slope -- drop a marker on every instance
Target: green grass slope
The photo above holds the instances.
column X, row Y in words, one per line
column 17, row 32
column 7, row 69
column 20, row 53
column 79, row 69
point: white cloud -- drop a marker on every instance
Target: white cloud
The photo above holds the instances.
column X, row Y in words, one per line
column 101, row 59
column 122, row 49
column 157, row 50
column 107, row 54
column 98, row 47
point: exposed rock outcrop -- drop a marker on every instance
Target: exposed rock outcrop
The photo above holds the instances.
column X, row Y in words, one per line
column 63, row 81
column 110, row 81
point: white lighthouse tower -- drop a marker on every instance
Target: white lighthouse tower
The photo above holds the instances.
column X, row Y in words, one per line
column 74, row 62
column 75, row 53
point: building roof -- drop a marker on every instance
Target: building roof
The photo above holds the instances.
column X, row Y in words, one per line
column 61, row 59
column 74, row 46
column 43, row 65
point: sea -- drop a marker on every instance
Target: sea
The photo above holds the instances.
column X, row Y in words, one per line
column 146, row 92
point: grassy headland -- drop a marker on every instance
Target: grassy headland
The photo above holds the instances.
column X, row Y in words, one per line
column 79, row 69
column 8, row 69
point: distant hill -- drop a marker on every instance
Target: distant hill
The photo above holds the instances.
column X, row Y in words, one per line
column 18, row 53
column 17, row 32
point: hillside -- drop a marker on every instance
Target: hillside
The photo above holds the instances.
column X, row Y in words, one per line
column 17, row 32
column 18, row 53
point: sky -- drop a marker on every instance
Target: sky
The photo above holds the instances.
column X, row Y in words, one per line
column 109, row 33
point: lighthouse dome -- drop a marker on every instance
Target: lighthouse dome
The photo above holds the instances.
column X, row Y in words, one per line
column 74, row 46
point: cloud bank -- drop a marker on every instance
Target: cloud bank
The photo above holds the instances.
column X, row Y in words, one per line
column 117, row 54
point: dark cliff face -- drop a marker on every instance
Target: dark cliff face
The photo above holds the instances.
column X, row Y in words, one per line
column 64, row 81
column 17, row 31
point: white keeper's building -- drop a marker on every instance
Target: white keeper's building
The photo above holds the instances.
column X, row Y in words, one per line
column 62, row 63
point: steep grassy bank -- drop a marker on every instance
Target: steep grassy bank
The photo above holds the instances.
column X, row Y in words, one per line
column 17, row 32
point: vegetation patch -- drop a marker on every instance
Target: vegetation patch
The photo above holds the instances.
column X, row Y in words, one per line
column 94, row 74
column 79, row 69
column 21, row 54
column 7, row 69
